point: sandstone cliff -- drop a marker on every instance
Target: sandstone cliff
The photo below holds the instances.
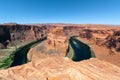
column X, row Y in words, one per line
column 57, row 40
column 56, row 45
column 15, row 36
column 4, row 37
column 20, row 33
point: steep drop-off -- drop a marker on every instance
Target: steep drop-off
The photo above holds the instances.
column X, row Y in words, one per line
column 58, row 44
column 48, row 61
column 20, row 56
column 104, row 40
column 78, row 50
column 14, row 38
column 5, row 37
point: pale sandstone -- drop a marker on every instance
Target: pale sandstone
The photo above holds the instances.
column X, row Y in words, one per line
column 59, row 68
column 55, row 45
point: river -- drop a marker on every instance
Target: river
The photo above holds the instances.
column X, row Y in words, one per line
column 20, row 56
column 78, row 50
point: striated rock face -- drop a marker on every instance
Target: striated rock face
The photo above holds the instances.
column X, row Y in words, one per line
column 107, row 38
column 104, row 40
column 56, row 45
column 24, row 32
column 4, row 37
column 57, row 40
column 113, row 41
column 58, row 68
column 101, row 35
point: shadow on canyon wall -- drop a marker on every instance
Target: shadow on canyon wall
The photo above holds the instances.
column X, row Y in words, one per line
column 81, row 51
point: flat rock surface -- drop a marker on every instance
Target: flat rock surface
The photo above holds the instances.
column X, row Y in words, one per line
column 59, row 68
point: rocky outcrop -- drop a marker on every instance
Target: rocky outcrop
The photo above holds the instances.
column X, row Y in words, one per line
column 56, row 45
column 86, row 33
column 109, row 39
column 5, row 37
column 58, row 68
column 57, row 40
column 113, row 42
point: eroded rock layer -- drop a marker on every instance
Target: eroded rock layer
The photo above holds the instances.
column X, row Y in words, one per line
column 57, row 40
column 47, row 64
column 101, row 35
column 104, row 40
column 20, row 33
column 56, row 45
column 5, row 37
column 58, row 68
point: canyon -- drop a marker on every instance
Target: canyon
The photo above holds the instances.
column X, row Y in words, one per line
column 70, row 52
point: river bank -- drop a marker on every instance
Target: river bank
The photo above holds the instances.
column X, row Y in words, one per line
column 18, row 56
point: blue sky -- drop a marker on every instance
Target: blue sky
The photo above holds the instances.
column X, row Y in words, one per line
column 60, row 11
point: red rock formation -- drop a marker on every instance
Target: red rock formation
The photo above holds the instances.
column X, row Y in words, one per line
column 28, row 32
column 57, row 40
column 56, row 45
column 46, row 64
column 104, row 40
column 113, row 42
column 25, row 32
column 102, row 35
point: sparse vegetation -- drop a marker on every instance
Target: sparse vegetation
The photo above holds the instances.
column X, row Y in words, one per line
column 7, row 55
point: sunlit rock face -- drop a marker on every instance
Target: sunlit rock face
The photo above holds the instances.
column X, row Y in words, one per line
column 4, row 37
column 61, row 68
column 55, row 45
column 57, row 40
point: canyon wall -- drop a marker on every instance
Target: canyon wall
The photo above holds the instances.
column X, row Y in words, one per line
column 102, row 35
column 48, row 61
column 20, row 33
column 57, row 40
column 103, row 39
column 5, row 37
column 55, row 45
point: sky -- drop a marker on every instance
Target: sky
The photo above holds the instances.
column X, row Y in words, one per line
column 60, row 11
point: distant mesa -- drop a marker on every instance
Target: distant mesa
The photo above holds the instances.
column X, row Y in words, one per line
column 10, row 23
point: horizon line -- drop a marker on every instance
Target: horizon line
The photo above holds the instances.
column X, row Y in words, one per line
column 60, row 23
